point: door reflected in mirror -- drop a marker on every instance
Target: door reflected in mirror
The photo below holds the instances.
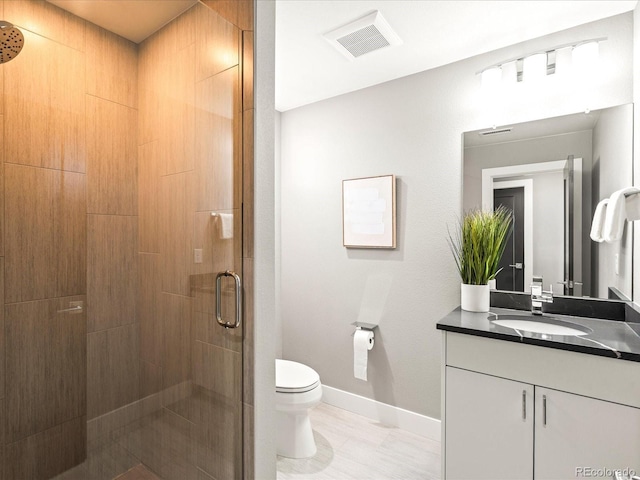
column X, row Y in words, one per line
column 552, row 173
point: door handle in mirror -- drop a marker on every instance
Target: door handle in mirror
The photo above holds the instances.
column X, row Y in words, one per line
column 517, row 266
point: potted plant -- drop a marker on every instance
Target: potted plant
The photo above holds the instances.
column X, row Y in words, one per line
column 477, row 248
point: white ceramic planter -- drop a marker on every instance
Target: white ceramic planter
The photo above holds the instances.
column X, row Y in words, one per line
column 474, row 298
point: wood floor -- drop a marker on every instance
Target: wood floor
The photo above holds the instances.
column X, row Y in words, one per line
column 354, row 447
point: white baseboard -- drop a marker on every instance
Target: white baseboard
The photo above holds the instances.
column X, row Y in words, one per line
column 382, row 412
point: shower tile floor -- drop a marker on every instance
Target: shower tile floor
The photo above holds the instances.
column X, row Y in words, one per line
column 138, row 473
column 354, row 447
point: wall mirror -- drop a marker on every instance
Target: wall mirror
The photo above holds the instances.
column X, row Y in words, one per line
column 552, row 173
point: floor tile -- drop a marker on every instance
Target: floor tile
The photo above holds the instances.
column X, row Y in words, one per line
column 138, row 473
column 353, row 447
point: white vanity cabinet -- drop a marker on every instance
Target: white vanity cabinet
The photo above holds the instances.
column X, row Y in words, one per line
column 583, row 432
column 515, row 411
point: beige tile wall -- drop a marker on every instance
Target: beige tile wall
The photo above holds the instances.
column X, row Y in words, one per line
column 112, row 170
column 112, row 271
column 45, row 101
column 53, row 389
column 47, row 452
column 149, row 196
column 69, row 232
column 111, row 76
column 113, row 380
column 44, row 229
column 111, row 123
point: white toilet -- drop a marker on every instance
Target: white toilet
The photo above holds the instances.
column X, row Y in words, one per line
column 298, row 389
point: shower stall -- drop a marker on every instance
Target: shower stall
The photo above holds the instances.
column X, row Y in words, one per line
column 125, row 247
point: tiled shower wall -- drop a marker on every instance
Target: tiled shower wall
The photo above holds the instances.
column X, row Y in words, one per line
column 105, row 206
column 69, row 233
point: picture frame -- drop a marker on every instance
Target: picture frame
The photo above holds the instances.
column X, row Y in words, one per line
column 369, row 212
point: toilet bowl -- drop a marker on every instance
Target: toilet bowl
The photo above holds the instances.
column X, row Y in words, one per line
column 298, row 389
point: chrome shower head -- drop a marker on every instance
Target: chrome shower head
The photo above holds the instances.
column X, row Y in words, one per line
column 11, row 41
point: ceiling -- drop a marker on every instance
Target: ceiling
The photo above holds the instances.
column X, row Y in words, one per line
column 576, row 122
column 131, row 19
column 435, row 33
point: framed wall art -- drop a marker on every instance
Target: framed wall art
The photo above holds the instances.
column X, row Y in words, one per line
column 369, row 212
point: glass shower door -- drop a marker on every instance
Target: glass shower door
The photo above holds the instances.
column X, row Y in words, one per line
column 191, row 107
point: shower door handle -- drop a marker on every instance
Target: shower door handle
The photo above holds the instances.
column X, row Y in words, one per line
column 221, row 322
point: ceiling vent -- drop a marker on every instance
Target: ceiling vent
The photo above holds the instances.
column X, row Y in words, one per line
column 367, row 34
column 495, row 131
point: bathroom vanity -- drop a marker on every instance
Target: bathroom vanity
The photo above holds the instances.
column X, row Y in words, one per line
column 517, row 404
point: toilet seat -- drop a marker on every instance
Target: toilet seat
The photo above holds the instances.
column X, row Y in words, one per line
column 294, row 377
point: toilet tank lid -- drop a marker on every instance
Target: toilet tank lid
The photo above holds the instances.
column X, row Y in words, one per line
column 293, row 375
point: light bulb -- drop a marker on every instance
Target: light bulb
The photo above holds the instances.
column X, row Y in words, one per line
column 585, row 56
column 535, row 67
column 491, row 78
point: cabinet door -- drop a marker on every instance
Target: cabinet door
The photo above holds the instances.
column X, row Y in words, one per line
column 488, row 427
column 578, row 436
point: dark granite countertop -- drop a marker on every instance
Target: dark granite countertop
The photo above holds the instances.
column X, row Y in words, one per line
column 609, row 338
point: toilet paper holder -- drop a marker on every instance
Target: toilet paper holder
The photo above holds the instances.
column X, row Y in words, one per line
column 364, row 326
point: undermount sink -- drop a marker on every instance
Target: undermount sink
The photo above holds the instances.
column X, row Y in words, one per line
column 540, row 324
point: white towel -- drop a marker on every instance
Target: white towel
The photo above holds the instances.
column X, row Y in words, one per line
column 617, row 214
column 632, row 205
column 226, row 225
column 598, row 221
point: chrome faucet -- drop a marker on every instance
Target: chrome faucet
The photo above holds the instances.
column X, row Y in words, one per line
column 539, row 296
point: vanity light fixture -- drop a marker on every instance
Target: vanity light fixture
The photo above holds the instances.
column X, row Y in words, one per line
column 537, row 65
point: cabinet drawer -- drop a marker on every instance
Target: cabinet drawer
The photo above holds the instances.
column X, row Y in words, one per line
column 603, row 378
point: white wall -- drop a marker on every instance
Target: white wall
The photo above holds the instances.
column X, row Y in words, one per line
column 264, row 250
column 411, row 127
column 534, row 150
column 548, row 241
column 636, row 151
column 612, row 150
column 278, row 235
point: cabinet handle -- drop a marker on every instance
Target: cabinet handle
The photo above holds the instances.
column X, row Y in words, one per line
column 544, row 410
column 524, row 404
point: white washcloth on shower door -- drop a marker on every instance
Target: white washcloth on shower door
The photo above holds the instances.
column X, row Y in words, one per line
column 226, row 225
column 617, row 214
column 598, row 221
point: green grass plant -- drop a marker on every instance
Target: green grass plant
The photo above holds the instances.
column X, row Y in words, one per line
column 479, row 242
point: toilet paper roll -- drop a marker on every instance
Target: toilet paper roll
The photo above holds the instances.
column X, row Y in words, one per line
column 362, row 343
